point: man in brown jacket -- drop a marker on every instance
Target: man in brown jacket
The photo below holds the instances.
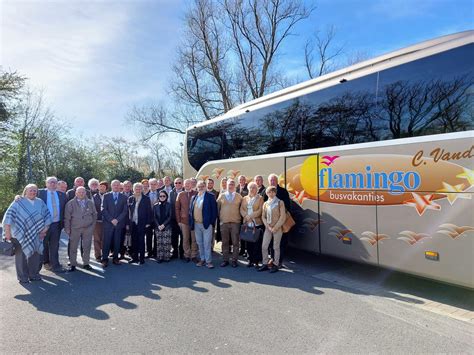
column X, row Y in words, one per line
column 80, row 216
column 182, row 218
column 228, row 205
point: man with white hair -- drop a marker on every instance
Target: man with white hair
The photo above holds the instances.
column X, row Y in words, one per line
column 79, row 220
column 114, row 217
column 62, row 186
column 56, row 202
column 79, row 181
column 93, row 187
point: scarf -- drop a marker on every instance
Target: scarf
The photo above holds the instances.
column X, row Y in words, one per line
column 274, row 203
column 135, row 211
column 250, row 204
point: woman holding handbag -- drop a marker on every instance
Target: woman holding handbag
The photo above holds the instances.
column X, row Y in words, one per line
column 274, row 216
column 251, row 211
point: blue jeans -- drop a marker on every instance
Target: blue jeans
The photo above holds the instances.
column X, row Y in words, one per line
column 204, row 241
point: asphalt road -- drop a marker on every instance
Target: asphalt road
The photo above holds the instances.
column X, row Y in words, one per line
column 179, row 308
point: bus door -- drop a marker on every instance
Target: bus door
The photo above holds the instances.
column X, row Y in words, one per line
column 300, row 181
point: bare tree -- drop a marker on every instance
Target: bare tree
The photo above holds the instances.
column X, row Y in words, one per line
column 258, row 29
column 320, row 52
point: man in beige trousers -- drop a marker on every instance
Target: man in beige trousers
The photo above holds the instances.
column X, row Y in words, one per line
column 190, row 246
column 80, row 216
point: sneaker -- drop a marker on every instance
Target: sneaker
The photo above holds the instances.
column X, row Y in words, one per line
column 200, row 263
column 263, row 268
column 210, row 266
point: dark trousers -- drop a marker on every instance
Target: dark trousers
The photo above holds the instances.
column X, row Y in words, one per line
column 150, row 240
column 26, row 268
column 255, row 249
column 138, row 242
column 112, row 237
column 51, row 246
column 176, row 240
column 123, row 248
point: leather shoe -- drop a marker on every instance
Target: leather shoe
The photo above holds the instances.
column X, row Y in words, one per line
column 274, row 269
column 195, row 260
column 159, row 261
column 72, row 268
column 263, row 268
column 105, row 264
column 133, row 261
column 186, row 260
column 234, row 264
column 224, row 263
column 142, row 262
column 87, row 267
column 116, row 262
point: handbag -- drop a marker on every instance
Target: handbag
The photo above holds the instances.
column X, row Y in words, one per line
column 7, row 248
column 289, row 223
column 250, row 234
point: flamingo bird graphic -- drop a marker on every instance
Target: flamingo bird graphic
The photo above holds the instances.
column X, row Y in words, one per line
column 373, row 238
column 454, row 231
column 412, row 237
column 312, row 223
column 339, row 232
column 217, row 172
column 299, row 197
column 328, row 159
column 233, row 173
column 203, row 177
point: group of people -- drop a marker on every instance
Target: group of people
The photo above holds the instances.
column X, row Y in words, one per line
column 155, row 218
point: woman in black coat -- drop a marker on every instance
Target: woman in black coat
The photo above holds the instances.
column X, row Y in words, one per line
column 140, row 217
column 163, row 231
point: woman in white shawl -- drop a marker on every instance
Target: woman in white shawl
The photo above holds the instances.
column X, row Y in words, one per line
column 25, row 223
column 274, row 216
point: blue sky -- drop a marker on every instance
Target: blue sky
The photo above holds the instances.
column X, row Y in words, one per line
column 95, row 59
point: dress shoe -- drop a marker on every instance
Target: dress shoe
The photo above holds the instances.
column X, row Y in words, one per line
column 263, row 268
column 200, row 263
column 234, row 264
column 105, row 264
column 159, row 261
column 71, row 268
column 116, row 262
column 274, row 269
column 249, row 264
column 99, row 259
column 186, row 260
column 24, row 281
column 133, row 261
column 142, row 262
column 210, row 266
column 37, row 278
column 195, row 260
column 87, row 267
column 148, row 256
column 47, row 266
column 224, row 263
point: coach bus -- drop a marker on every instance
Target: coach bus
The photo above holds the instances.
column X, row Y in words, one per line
column 377, row 158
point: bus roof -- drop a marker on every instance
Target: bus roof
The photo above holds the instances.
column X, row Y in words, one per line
column 382, row 62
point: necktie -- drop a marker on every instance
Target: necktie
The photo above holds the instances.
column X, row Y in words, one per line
column 115, row 197
column 55, row 206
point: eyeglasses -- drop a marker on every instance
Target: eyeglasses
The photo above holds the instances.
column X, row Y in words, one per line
column 178, row 183
column 162, row 196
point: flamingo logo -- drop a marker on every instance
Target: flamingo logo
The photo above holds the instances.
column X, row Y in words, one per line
column 453, row 231
column 328, row 159
column 412, row 238
column 373, row 238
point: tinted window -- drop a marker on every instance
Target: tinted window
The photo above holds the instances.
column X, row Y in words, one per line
column 428, row 96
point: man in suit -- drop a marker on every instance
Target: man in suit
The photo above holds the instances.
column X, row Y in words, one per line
column 260, row 187
column 202, row 215
column 176, row 237
column 98, row 229
column 149, row 232
column 210, row 189
column 56, row 202
column 242, row 187
column 140, row 217
column 167, row 186
column 127, row 191
column 79, row 221
column 114, row 217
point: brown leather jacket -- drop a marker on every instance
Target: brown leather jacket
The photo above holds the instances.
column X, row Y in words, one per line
column 182, row 206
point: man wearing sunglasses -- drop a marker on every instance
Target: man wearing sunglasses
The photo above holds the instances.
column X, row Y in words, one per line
column 176, row 237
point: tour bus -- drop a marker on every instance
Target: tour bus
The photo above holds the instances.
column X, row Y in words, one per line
column 377, row 158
